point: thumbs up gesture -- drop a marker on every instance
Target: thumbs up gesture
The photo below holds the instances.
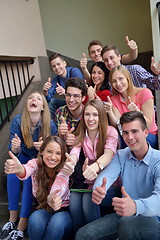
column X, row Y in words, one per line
column 131, row 44
column 83, row 61
column 38, row 144
column 131, row 105
column 63, row 127
column 108, row 105
column 155, row 67
column 54, row 200
column 99, row 192
column 60, row 90
column 124, row 206
column 16, row 144
column 47, row 85
column 90, row 172
column 70, row 137
column 69, row 164
column 13, row 165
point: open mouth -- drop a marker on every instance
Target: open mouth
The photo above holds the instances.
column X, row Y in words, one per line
column 34, row 105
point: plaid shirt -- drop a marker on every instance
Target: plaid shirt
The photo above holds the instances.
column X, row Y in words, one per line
column 64, row 111
column 142, row 78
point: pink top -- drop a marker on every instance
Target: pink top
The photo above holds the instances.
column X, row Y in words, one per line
column 139, row 99
column 90, row 152
column 61, row 182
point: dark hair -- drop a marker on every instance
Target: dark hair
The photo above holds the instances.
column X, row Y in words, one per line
column 54, row 56
column 108, row 48
column 77, row 83
column 105, row 85
column 94, row 42
column 132, row 116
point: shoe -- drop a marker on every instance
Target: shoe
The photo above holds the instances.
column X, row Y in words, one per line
column 16, row 235
column 6, row 229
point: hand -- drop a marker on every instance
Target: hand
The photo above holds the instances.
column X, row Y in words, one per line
column 47, row 85
column 99, row 192
column 155, row 67
column 60, row 90
column 70, row 137
column 16, row 144
column 108, row 105
column 63, row 128
column 12, row 165
column 54, row 200
column 91, row 93
column 131, row 44
column 69, row 165
column 83, row 61
column 131, row 105
column 38, row 144
column 124, row 206
column 90, row 172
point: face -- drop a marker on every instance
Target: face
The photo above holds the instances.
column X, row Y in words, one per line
column 58, row 66
column 35, row 103
column 111, row 60
column 74, row 98
column 119, row 82
column 91, row 118
column 95, row 53
column 52, row 155
column 97, row 75
column 134, row 136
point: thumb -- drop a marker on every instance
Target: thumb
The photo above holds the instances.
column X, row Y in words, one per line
column 129, row 100
column 124, row 193
column 83, row 55
column 95, row 87
column 16, row 136
column 152, row 61
column 62, row 120
column 127, row 39
column 58, row 85
column 71, row 130
column 12, row 156
column 85, row 164
column 109, row 99
column 40, row 139
column 49, row 79
column 104, row 182
column 69, row 158
column 57, row 191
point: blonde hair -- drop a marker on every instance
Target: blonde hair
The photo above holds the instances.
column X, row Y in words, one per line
column 26, row 122
column 132, row 90
column 102, row 126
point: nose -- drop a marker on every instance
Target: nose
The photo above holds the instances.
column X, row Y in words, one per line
column 109, row 61
column 130, row 135
column 53, row 155
column 90, row 117
column 71, row 98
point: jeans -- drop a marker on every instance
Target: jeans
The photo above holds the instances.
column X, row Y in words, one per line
column 49, row 226
column 54, row 104
column 112, row 226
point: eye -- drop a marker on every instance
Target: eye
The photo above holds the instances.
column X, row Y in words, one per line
column 95, row 114
column 86, row 114
column 58, row 153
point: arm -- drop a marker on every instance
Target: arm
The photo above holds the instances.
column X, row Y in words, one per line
column 133, row 52
column 49, row 88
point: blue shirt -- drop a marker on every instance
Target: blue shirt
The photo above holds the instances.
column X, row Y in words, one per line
column 142, row 78
column 141, row 179
column 27, row 153
column 71, row 72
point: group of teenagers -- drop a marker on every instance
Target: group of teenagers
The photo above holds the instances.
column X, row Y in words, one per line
column 86, row 151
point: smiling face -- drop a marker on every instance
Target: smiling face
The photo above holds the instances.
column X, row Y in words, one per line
column 119, row 82
column 35, row 103
column 111, row 59
column 95, row 53
column 52, row 155
column 97, row 75
column 59, row 67
column 135, row 137
column 74, row 98
column 91, row 118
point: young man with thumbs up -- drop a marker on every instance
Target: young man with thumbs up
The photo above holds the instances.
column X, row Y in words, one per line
column 137, row 213
column 57, row 84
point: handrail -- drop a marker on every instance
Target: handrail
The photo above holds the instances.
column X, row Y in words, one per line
column 14, row 79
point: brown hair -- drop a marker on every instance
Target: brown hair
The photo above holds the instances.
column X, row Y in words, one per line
column 108, row 48
column 94, row 42
column 54, row 56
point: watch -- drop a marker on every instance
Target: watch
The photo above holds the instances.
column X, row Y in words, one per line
column 100, row 165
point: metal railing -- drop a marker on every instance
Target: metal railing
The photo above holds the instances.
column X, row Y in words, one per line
column 14, row 80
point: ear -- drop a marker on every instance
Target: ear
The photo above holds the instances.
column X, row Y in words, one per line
column 146, row 132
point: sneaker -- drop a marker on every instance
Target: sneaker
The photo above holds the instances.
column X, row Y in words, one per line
column 16, row 235
column 6, row 229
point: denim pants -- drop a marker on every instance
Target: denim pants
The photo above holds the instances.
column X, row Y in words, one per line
column 54, row 104
column 112, row 226
column 49, row 226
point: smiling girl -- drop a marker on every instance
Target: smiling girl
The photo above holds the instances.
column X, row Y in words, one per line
column 27, row 132
column 50, row 187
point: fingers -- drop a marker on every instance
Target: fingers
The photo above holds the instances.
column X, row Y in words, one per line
column 40, row 139
column 71, row 130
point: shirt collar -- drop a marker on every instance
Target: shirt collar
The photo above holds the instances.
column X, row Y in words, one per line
column 147, row 157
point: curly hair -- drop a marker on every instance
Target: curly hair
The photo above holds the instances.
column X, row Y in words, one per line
column 43, row 179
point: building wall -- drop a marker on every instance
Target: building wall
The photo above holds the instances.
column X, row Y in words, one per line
column 70, row 25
